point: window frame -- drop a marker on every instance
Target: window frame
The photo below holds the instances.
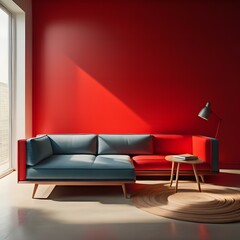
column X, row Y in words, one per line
column 20, row 109
column 11, row 29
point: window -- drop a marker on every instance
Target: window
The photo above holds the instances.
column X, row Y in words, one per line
column 5, row 90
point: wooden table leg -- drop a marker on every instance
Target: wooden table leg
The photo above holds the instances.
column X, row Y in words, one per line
column 177, row 174
column 124, row 190
column 202, row 178
column 34, row 190
column 171, row 179
column 196, row 176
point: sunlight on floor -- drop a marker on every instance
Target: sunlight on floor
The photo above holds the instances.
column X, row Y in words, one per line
column 232, row 171
column 90, row 213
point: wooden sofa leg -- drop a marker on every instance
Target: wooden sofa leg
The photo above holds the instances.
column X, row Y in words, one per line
column 124, row 190
column 34, row 190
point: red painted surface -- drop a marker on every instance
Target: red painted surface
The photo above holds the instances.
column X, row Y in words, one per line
column 201, row 147
column 22, row 160
column 158, row 162
column 137, row 67
column 175, row 144
column 172, row 144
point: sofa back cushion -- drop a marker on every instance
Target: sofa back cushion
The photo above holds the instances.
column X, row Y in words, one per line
column 172, row 144
column 73, row 143
column 38, row 149
column 125, row 144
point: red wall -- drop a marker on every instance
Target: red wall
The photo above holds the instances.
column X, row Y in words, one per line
column 137, row 66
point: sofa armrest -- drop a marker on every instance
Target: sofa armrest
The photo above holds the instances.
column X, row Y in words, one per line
column 22, row 158
column 206, row 148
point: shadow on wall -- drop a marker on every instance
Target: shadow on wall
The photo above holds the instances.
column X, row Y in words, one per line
column 149, row 67
column 109, row 110
column 146, row 70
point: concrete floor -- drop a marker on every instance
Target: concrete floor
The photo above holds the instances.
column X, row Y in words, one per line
column 91, row 213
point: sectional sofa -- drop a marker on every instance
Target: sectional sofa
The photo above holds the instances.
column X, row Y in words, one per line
column 107, row 159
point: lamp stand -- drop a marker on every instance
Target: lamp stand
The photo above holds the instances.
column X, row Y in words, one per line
column 219, row 124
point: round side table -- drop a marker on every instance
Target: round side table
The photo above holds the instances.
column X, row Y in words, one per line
column 174, row 160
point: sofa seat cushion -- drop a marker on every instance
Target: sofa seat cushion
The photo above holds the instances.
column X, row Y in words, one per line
column 116, row 167
column 113, row 162
column 83, row 167
column 70, row 161
column 158, row 162
column 151, row 162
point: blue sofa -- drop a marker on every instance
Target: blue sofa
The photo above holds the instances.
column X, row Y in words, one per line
column 84, row 158
column 105, row 159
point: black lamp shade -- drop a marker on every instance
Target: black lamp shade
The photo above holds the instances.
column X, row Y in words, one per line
column 206, row 111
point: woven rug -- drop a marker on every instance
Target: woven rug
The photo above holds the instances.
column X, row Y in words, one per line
column 215, row 204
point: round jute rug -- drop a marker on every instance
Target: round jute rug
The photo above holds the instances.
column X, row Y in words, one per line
column 215, row 204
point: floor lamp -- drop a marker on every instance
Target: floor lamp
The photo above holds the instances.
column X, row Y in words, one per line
column 205, row 114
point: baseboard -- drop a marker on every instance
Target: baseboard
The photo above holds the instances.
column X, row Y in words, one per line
column 5, row 173
column 230, row 165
